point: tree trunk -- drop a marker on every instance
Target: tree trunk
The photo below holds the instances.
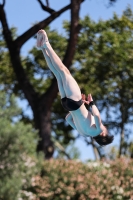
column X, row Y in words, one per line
column 43, row 124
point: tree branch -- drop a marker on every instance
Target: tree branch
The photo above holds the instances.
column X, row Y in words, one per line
column 112, row 1
column 74, row 30
column 46, row 8
column 41, row 25
column 3, row 4
column 47, row 3
column 27, row 88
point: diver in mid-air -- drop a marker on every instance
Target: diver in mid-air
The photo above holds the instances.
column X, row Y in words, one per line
column 72, row 100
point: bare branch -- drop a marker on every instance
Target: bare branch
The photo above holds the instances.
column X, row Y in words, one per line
column 47, row 3
column 74, row 30
column 112, row 1
column 3, row 4
column 46, row 8
column 41, row 25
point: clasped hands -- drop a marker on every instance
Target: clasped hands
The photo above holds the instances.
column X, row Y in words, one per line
column 87, row 99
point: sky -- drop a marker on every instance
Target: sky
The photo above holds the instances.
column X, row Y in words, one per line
column 23, row 14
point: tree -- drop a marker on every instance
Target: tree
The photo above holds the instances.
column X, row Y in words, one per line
column 18, row 162
column 105, row 54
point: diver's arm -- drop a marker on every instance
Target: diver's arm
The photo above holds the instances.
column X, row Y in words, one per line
column 69, row 119
column 95, row 110
column 97, row 116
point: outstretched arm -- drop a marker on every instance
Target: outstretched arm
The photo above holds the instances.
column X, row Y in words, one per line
column 69, row 119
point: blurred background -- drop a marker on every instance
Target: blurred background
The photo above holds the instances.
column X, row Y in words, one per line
column 94, row 39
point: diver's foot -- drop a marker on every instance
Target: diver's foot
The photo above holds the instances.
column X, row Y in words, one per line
column 41, row 39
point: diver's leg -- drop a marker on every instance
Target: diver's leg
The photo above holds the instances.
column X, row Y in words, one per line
column 43, row 43
column 56, row 73
column 71, row 87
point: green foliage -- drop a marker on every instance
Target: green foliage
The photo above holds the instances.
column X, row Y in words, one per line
column 7, row 77
column 18, row 162
column 77, row 181
column 105, row 57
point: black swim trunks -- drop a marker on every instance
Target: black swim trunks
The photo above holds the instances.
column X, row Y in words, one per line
column 70, row 105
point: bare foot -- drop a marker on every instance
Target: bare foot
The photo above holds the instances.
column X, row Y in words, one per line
column 41, row 38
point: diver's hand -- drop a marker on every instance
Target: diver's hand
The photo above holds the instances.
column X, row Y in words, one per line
column 88, row 99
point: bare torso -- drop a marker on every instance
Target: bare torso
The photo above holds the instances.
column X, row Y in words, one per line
column 84, row 122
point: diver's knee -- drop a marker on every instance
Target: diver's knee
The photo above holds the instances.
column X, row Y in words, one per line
column 64, row 71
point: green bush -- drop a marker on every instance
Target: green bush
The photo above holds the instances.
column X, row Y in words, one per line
column 18, row 162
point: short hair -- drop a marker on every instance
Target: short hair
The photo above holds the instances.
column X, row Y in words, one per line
column 104, row 140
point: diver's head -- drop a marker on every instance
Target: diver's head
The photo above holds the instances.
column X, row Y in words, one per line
column 104, row 138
